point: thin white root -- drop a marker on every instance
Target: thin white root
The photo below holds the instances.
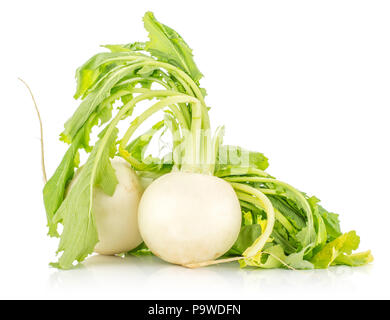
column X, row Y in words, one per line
column 211, row 262
column 280, row 260
column 41, row 131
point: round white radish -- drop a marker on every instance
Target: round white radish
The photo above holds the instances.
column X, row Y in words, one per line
column 116, row 215
column 187, row 218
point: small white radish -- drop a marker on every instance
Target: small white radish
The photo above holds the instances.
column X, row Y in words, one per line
column 186, row 218
column 116, row 215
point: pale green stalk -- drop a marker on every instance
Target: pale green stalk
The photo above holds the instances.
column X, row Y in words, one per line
column 278, row 216
column 259, row 243
column 297, row 194
column 173, row 98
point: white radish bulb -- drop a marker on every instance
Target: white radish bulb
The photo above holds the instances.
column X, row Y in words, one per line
column 116, row 215
column 187, row 218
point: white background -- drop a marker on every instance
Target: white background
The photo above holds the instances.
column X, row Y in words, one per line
column 305, row 82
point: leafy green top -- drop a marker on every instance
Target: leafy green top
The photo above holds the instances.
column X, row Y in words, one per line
column 167, row 45
column 282, row 227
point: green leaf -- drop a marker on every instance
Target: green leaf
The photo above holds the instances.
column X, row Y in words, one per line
column 297, row 199
column 92, row 102
column 288, row 211
column 248, row 217
column 296, row 261
column 332, row 223
column 283, row 238
column 79, row 235
column 168, row 46
column 273, row 256
column 339, row 248
column 54, row 190
column 138, row 146
column 135, row 46
column 269, row 259
column 354, row 260
column 95, row 67
column 234, row 156
column 147, row 71
column 302, row 236
column 319, row 224
column 141, row 250
column 248, row 234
